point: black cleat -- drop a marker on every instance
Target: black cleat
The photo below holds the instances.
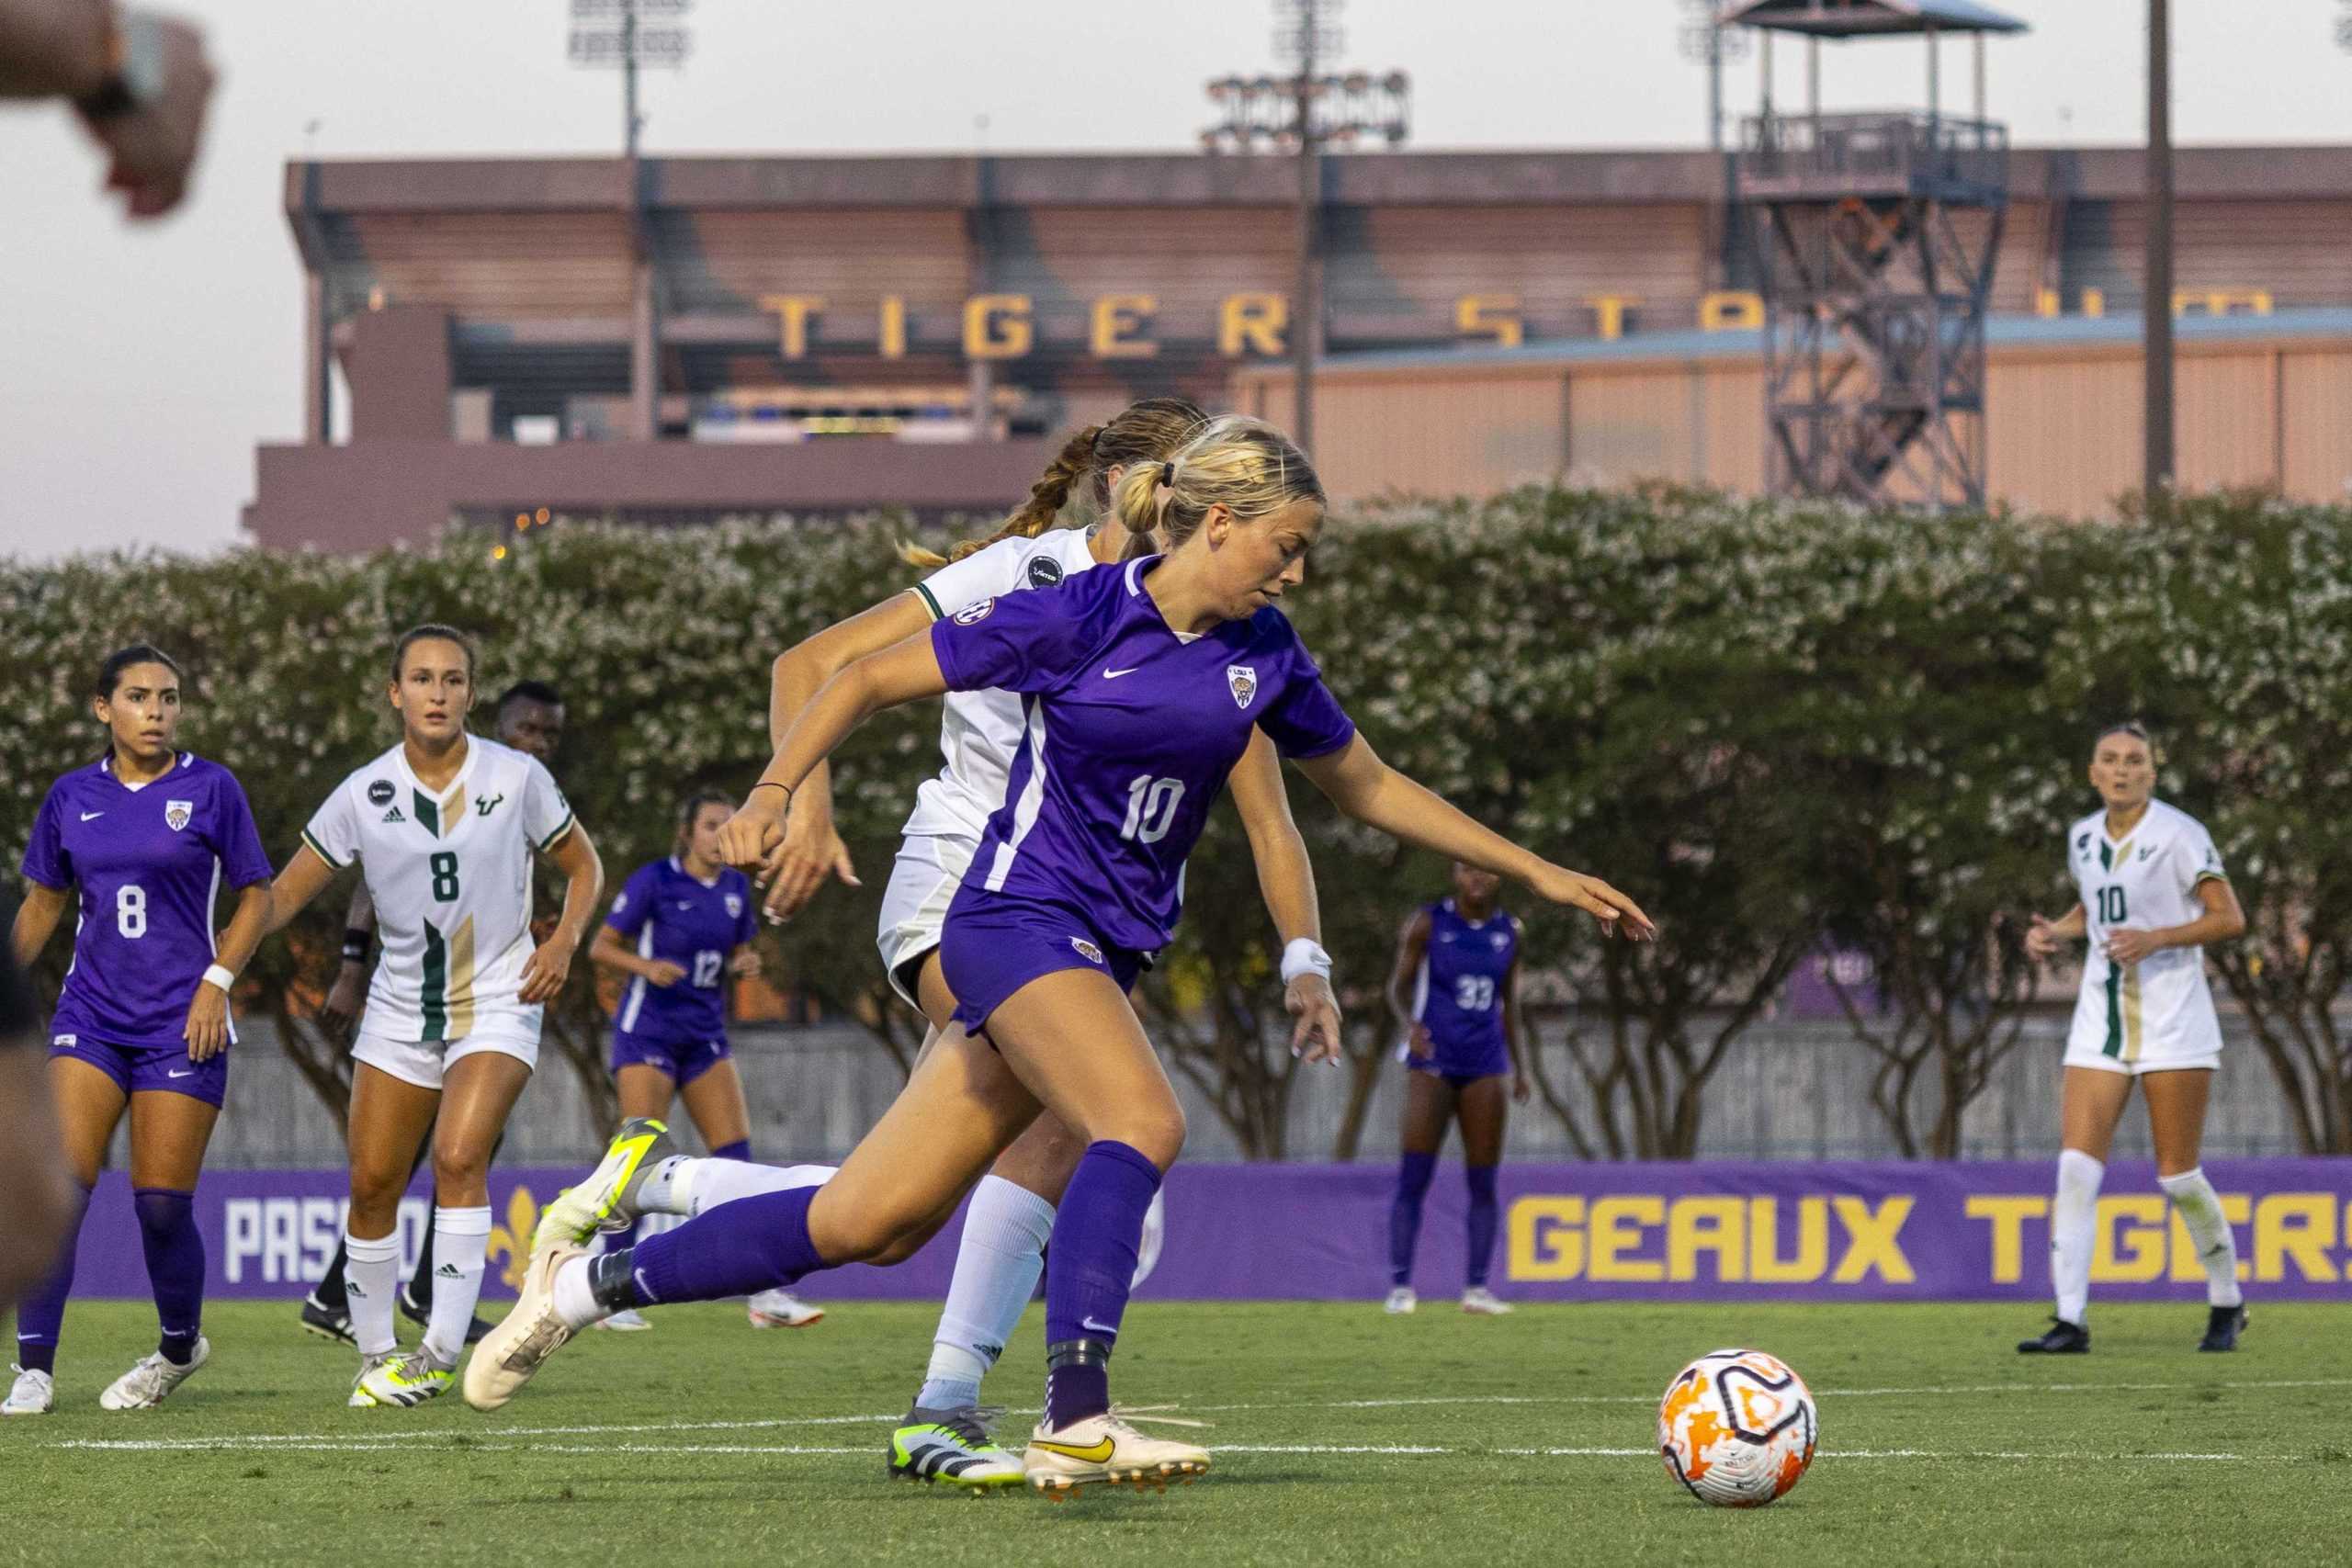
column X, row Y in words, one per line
column 421, row 1312
column 327, row 1321
column 2063, row 1339
column 2222, row 1326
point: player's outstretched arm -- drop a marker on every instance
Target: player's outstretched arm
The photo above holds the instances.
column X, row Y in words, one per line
column 583, row 885
column 1286, row 880
column 1377, row 795
column 905, row 672
column 36, row 919
column 811, row 849
column 305, row 877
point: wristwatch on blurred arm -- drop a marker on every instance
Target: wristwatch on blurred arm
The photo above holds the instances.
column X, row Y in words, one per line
column 134, row 67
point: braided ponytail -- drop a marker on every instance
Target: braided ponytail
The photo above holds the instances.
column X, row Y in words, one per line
column 1035, row 515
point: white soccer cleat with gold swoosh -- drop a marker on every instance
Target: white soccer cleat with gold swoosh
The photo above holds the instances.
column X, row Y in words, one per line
column 1105, row 1449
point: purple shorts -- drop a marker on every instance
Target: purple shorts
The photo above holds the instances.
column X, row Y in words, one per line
column 1460, row 1068
column 684, row 1060
column 992, row 945
column 139, row 1069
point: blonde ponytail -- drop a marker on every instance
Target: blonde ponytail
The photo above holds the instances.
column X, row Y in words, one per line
column 1243, row 465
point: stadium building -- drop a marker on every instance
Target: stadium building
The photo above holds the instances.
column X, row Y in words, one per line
column 492, row 339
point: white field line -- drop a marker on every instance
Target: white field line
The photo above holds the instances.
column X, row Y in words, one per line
column 501, row 1436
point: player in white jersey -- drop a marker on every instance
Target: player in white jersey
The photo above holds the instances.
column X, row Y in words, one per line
column 1012, row 1208
column 2151, row 893
column 443, row 825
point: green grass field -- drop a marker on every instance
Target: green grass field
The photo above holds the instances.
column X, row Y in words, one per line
column 1340, row 1435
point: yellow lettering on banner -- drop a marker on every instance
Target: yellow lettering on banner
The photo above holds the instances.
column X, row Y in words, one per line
column 1254, row 320
column 795, row 310
column 1730, row 309
column 2301, row 1225
column 1489, row 315
column 2221, row 301
column 2045, row 303
column 1765, row 1264
column 2008, row 1216
column 1608, row 312
column 996, row 326
column 1545, row 1241
column 1616, row 1227
column 2237, row 1209
column 1719, row 1225
column 1873, row 1240
column 2094, row 302
column 894, row 327
column 1115, row 315
column 2135, row 1251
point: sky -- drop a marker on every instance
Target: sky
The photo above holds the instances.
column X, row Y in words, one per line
column 140, row 364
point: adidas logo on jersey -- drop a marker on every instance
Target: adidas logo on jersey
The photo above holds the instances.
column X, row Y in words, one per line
column 394, row 816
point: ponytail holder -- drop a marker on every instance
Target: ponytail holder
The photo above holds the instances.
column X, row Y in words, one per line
column 1168, row 475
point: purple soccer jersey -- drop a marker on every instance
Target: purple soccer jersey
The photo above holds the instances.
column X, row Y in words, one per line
column 1131, row 731
column 149, row 864
column 1462, row 989
column 694, row 925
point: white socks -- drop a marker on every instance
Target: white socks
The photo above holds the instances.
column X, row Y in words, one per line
column 575, row 1304
column 683, row 1185
column 996, row 1267
column 370, row 1277
column 2072, row 1220
column 2200, row 1208
column 460, row 1247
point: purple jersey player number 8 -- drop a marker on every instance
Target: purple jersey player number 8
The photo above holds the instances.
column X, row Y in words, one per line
column 1131, row 731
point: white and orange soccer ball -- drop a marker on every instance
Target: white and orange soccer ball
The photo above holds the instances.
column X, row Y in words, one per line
column 1736, row 1428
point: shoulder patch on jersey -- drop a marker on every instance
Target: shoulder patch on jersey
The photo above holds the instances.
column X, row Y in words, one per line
column 177, row 814
column 1044, row 572
column 380, row 793
column 1243, row 680
column 971, row 614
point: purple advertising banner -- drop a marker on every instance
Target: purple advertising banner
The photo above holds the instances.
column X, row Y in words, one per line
column 1887, row 1231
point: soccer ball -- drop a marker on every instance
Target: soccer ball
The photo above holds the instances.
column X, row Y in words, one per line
column 1736, row 1428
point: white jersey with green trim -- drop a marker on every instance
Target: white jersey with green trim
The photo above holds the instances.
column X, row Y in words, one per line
column 982, row 729
column 450, row 876
column 2160, row 1009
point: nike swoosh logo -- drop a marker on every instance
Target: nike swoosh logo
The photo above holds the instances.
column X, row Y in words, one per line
column 88, row 816
column 1114, row 674
column 1095, row 1453
column 1098, row 1328
column 189, row 1074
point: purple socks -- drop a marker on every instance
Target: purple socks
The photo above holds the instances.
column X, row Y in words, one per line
column 1484, row 1211
column 1089, row 1268
column 1413, row 1174
column 739, row 1149
column 175, row 1249
column 42, row 1314
column 740, row 1248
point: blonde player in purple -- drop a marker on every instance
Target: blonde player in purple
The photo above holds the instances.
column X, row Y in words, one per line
column 1144, row 684
column 140, row 843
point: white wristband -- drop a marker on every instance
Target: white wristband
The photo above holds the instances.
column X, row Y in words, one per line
column 217, row 976
column 1304, row 956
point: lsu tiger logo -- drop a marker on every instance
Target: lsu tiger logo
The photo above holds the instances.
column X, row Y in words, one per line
column 1086, row 949
column 177, row 814
column 1243, row 680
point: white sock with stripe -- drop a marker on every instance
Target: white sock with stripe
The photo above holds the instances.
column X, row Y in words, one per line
column 369, row 1277
column 460, row 1252
column 682, row 1185
column 2074, row 1216
column 2200, row 1208
column 997, row 1265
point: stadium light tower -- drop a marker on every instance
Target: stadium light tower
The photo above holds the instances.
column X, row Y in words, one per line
column 1299, row 115
column 611, row 34
column 1706, row 39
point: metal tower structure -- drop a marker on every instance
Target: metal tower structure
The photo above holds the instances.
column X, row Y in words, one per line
column 1878, row 232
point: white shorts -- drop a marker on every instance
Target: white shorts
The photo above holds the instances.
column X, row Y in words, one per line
column 422, row 1062
column 923, row 880
column 2189, row 1043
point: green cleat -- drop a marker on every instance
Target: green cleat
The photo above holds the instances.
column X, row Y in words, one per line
column 952, row 1446
column 401, row 1379
column 606, row 1200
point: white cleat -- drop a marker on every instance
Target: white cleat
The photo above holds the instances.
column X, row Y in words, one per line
column 606, row 1200
column 629, row 1320
column 1105, row 1449
column 31, row 1395
column 151, row 1380
column 1401, row 1301
column 1483, row 1302
column 509, row 1354
column 782, row 1308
